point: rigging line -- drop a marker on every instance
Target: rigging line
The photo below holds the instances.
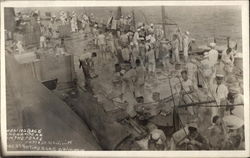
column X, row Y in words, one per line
column 201, row 104
column 175, row 106
column 222, row 106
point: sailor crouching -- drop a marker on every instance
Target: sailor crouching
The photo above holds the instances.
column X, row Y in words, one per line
column 86, row 62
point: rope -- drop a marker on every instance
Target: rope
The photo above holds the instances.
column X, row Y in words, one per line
column 223, row 106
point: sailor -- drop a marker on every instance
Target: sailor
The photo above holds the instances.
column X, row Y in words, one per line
column 74, row 14
column 111, row 44
column 136, row 39
column 142, row 52
column 186, row 90
column 236, row 98
column 117, row 76
column 124, row 41
column 86, row 63
column 180, row 39
column 151, row 29
column 122, row 25
column 84, row 22
column 43, row 41
column 235, row 133
column 227, row 59
column 53, row 26
column 213, row 54
column 159, row 33
column 130, row 35
column 192, row 70
column 164, row 53
column 19, row 18
column 217, row 133
column 188, row 138
column 43, row 37
column 92, row 19
column 220, row 92
column 142, row 33
column 63, row 17
column 186, row 42
column 128, row 88
column 152, row 39
column 73, row 22
column 157, row 140
column 175, row 49
column 87, row 29
column 205, row 71
column 102, row 44
column 157, row 47
column 195, row 140
column 62, row 47
column 126, row 24
column 150, row 58
column 95, row 34
column 126, row 54
column 19, row 46
column 134, row 54
column 140, row 78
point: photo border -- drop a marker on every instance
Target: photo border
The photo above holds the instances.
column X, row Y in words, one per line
column 211, row 153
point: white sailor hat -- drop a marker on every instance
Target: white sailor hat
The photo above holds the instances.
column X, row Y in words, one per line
column 206, row 55
column 233, row 122
column 156, row 134
column 187, row 33
column 231, row 80
column 148, row 38
column 148, row 46
column 193, row 60
column 212, row 45
column 151, row 126
column 234, row 90
column 151, row 24
column 131, row 43
column 238, row 55
column 193, row 124
column 232, row 44
column 138, row 94
column 219, row 75
column 123, row 72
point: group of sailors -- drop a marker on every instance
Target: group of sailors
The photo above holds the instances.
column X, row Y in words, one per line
column 138, row 51
column 137, row 54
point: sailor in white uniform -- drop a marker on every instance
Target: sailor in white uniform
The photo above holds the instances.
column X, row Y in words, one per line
column 220, row 92
column 186, row 41
column 213, row 54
